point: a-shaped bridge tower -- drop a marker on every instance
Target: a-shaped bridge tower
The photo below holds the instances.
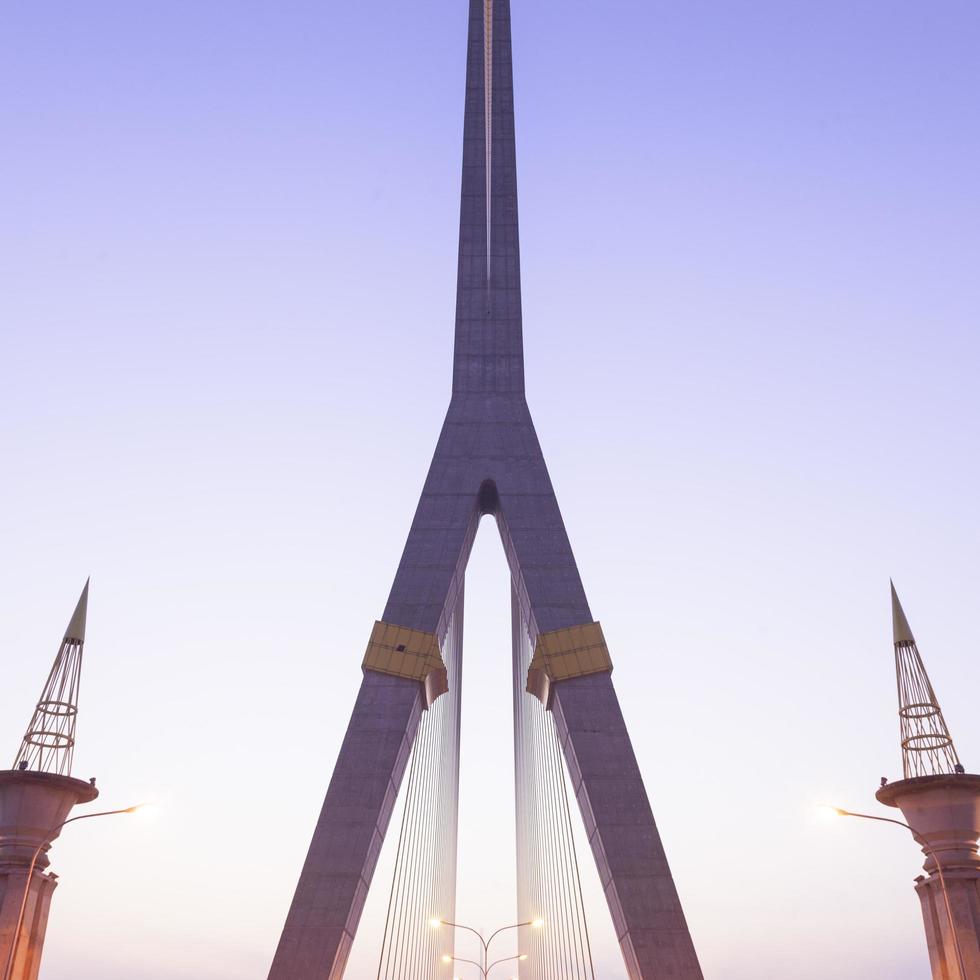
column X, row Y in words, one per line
column 487, row 461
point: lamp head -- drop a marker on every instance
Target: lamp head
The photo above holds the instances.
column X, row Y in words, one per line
column 827, row 810
column 144, row 809
column 537, row 923
column 435, row 923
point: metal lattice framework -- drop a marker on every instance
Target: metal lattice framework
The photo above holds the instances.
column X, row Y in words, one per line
column 927, row 746
column 49, row 742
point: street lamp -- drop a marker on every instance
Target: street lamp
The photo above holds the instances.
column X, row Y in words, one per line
column 460, row 978
column 927, row 847
column 485, row 971
column 436, row 922
column 51, row 834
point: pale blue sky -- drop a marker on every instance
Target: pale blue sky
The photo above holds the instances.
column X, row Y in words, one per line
column 750, row 236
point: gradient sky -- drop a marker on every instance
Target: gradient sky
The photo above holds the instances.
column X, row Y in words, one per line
column 750, row 235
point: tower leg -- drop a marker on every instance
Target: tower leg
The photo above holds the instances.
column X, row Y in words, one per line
column 629, row 855
column 326, row 908
column 643, row 901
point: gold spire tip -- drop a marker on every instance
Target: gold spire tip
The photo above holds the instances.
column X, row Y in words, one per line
column 76, row 628
column 901, row 630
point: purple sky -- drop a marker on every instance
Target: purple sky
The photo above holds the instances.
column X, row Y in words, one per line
column 750, row 236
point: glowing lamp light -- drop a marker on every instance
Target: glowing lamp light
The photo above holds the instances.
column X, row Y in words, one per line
column 537, row 923
column 143, row 809
column 826, row 810
column 435, row 923
column 523, row 956
column 446, row 958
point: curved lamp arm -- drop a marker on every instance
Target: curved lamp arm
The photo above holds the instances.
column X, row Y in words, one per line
column 506, row 959
column 456, row 925
column 517, row 925
column 458, row 959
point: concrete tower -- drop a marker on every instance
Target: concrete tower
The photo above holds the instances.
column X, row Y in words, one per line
column 941, row 805
column 36, row 797
column 487, row 461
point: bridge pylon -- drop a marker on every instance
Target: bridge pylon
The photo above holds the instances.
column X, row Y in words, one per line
column 487, row 461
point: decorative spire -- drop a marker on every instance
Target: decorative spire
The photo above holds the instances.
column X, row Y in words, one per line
column 927, row 747
column 49, row 742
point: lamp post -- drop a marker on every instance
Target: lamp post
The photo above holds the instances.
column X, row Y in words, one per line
column 840, row 812
column 485, row 943
column 51, row 834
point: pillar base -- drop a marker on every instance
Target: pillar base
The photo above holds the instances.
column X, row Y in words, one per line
column 32, row 804
column 944, row 812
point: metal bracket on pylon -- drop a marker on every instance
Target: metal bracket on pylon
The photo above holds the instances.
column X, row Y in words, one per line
column 412, row 654
column 562, row 654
